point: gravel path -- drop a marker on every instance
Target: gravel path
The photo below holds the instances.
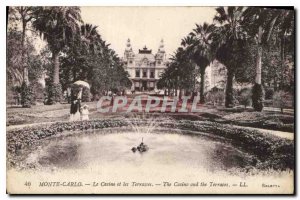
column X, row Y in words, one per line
column 12, row 127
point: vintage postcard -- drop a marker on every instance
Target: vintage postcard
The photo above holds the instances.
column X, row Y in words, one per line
column 150, row 100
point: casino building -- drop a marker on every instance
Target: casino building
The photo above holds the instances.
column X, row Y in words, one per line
column 144, row 68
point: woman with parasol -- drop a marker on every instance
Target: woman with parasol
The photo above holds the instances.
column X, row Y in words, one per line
column 76, row 96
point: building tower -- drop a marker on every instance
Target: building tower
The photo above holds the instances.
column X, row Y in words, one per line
column 160, row 57
column 128, row 54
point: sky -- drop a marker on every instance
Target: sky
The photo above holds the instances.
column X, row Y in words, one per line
column 146, row 25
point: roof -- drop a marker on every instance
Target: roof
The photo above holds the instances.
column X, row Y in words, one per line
column 145, row 51
column 139, row 57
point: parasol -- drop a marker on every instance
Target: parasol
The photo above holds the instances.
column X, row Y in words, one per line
column 82, row 83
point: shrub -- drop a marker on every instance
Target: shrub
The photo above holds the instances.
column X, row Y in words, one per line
column 245, row 97
column 215, row 96
column 257, row 97
column 38, row 92
column 269, row 92
column 54, row 93
column 86, row 95
column 26, row 95
column 279, row 99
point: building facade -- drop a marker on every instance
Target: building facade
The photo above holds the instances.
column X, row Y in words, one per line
column 144, row 68
column 218, row 75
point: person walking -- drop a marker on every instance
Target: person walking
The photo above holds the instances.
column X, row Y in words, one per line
column 75, row 105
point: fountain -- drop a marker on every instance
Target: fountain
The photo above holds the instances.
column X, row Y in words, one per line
column 141, row 148
column 113, row 143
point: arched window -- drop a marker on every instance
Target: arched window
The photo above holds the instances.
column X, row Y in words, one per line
column 137, row 73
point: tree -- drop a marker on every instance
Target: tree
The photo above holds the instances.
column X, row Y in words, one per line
column 80, row 57
column 58, row 26
column 279, row 99
column 24, row 15
column 198, row 47
column 284, row 31
column 15, row 64
column 89, row 58
column 14, row 58
column 263, row 22
column 230, row 44
column 245, row 97
column 90, row 38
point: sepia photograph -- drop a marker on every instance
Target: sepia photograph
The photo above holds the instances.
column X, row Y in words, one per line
column 150, row 100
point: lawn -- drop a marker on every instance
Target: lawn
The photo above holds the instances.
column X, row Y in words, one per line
column 271, row 120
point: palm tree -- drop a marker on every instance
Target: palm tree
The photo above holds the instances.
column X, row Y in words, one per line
column 58, row 26
column 90, row 37
column 83, row 52
column 169, row 78
column 229, row 44
column 198, row 47
column 187, row 43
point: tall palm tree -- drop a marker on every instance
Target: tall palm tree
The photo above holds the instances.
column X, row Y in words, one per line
column 57, row 26
column 90, row 37
column 229, row 44
column 201, row 51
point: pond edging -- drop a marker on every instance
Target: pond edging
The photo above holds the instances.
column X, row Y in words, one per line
column 273, row 151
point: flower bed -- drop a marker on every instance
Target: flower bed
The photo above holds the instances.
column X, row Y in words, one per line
column 278, row 122
column 271, row 151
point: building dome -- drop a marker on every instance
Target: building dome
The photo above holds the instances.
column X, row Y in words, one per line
column 128, row 45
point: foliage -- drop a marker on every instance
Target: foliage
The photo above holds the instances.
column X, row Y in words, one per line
column 189, row 61
column 54, row 92
column 199, row 49
column 262, row 24
column 215, row 96
column 57, row 25
column 38, row 91
column 271, row 121
column 13, row 56
column 231, row 46
column 245, row 97
column 26, row 95
column 17, row 57
column 24, row 14
column 269, row 92
column 91, row 59
column 233, row 42
column 86, row 95
column 280, row 99
column 257, row 97
column 79, row 52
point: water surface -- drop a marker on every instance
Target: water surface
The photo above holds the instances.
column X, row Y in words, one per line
column 166, row 148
